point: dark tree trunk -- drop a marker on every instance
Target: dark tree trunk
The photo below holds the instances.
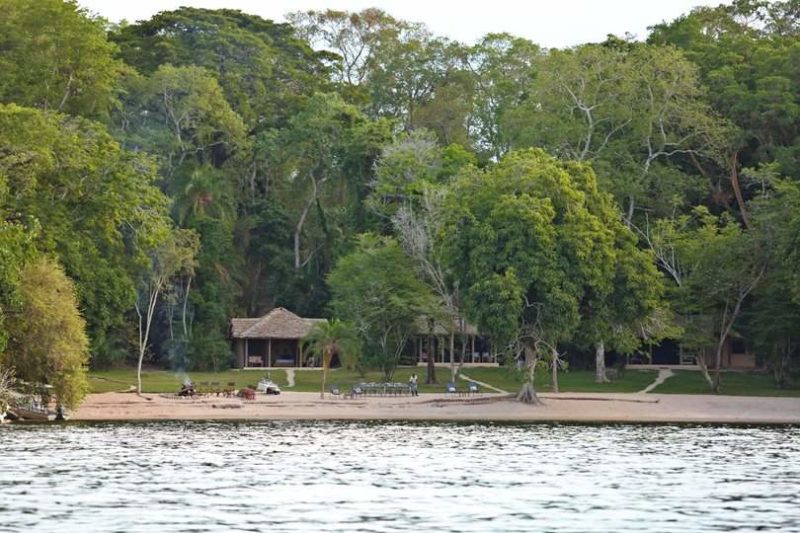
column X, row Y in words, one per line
column 528, row 393
column 430, row 377
column 600, row 363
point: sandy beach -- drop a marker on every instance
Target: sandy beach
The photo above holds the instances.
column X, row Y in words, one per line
column 564, row 407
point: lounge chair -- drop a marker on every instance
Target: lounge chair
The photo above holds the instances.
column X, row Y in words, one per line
column 335, row 390
column 451, row 388
column 472, row 388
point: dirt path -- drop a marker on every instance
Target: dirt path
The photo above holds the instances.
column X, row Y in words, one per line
column 289, row 377
column 484, row 385
column 663, row 375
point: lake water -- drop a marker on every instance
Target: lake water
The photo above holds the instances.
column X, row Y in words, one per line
column 344, row 476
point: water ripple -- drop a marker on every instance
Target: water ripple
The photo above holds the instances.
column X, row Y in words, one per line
column 334, row 476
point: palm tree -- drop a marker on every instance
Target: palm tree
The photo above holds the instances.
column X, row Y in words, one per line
column 333, row 337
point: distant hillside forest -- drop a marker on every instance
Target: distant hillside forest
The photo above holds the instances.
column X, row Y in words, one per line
column 161, row 177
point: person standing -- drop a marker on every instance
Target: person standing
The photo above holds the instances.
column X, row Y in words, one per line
column 412, row 384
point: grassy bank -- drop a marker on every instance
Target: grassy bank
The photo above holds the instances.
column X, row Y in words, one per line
column 732, row 383
column 158, row 381
column 155, row 381
column 683, row 382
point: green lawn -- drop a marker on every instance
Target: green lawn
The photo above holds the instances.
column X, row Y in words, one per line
column 572, row 381
column 155, row 381
column 309, row 381
column 733, row 383
column 683, row 382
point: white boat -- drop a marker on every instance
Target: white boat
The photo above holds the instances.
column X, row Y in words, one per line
column 267, row 386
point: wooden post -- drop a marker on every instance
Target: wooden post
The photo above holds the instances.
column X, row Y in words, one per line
column 269, row 352
column 246, row 353
column 472, row 355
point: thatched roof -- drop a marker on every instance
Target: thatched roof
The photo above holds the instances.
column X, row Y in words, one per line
column 277, row 324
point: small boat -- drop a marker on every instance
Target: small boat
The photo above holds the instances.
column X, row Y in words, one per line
column 30, row 407
column 267, row 386
column 32, row 413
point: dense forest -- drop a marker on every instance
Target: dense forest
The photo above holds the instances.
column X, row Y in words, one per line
column 158, row 178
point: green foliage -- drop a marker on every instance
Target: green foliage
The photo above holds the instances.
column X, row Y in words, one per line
column 525, row 246
column 48, row 342
column 95, row 205
column 54, row 56
column 274, row 156
column 16, row 249
column 770, row 322
column 747, row 56
column 263, row 69
column 636, row 112
column 376, row 290
column 179, row 113
column 334, row 338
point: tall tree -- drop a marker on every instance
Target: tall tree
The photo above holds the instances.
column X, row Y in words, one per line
column 715, row 266
column 503, row 68
column 376, row 289
column 353, row 37
column 746, row 52
column 333, row 338
column 174, row 256
column 634, row 111
column 264, row 70
column 55, row 56
column 410, row 188
column 526, row 249
column 94, row 203
column 48, row 342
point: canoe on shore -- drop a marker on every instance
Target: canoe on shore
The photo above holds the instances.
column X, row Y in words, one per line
column 31, row 413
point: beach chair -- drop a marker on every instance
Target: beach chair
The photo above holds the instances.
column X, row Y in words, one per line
column 335, row 390
column 472, row 388
column 230, row 389
column 451, row 388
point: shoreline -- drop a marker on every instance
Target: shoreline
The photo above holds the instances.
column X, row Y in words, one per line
column 621, row 408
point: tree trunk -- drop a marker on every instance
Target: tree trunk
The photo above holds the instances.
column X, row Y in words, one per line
column 701, row 362
column 185, row 305
column 528, row 393
column 297, row 231
column 452, row 357
column 718, row 358
column 600, row 362
column 430, row 376
column 737, row 190
column 144, row 335
column 554, row 355
column 326, row 362
column 631, row 204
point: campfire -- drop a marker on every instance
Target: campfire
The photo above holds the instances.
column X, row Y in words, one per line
column 187, row 389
